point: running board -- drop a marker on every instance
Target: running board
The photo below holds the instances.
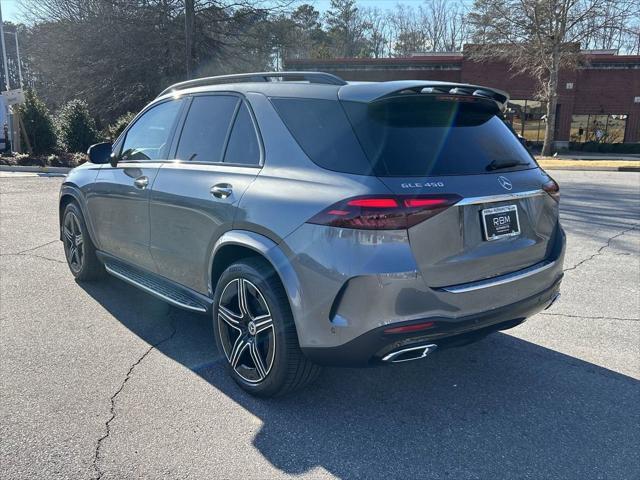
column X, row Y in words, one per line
column 155, row 286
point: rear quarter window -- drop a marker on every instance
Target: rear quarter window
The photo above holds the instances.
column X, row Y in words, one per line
column 323, row 131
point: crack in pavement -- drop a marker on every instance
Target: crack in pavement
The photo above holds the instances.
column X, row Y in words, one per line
column 96, row 457
column 587, row 317
column 32, row 255
column 35, row 248
column 601, row 249
column 27, row 253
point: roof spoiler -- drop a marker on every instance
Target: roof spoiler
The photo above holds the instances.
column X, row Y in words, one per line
column 387, row 89
column 499, row 97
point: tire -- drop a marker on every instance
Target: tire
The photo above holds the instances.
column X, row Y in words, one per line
column 281, row 367
column 78, row 247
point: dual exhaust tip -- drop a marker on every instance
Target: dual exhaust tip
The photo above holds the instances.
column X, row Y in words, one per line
column 409, row 354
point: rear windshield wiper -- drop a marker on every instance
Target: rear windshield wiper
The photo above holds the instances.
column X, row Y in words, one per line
column 500, row 164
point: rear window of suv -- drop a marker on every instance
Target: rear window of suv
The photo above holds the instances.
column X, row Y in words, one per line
column 412, row 135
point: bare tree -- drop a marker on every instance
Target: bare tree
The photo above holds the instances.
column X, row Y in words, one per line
column 541, row 37
column 379, row 31
column 436, row 25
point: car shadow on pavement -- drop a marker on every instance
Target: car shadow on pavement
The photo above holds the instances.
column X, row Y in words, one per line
column 501, row 408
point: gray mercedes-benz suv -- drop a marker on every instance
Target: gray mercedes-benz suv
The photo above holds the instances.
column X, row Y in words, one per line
column 320, row 221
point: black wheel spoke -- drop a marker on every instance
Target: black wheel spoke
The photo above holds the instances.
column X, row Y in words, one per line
column 68, row 235
column 242, row 298
column 238, row 348
column 263, row 323
column 257, row 360
column 229, row 317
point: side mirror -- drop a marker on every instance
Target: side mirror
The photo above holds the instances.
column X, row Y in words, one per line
column 100, row 153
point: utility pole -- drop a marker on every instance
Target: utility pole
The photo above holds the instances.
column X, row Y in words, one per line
column 4, row 52
column 18, row 55
column 189, row 25
column 8, row 117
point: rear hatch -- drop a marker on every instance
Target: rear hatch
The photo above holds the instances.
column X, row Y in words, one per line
column 434, row 145
column 447, row 144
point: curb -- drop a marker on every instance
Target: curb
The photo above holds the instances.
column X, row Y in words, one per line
column 34, row 169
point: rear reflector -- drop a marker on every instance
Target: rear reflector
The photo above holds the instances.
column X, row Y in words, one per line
column 416, row 327
column 388, row 212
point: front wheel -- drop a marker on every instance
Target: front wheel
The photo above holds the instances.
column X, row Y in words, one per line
column 78, row 247
column 255, row 332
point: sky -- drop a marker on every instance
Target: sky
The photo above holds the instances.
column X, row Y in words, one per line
column 10, row 10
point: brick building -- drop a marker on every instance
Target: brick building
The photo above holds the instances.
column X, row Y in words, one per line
column 600, row 101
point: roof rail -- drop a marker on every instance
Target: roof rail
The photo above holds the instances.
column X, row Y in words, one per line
column 311, row 77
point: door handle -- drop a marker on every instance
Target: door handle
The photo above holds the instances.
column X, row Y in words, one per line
column 222, row 190
column 141, row 182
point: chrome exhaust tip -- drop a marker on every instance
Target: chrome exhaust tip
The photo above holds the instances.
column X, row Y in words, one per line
column 409, row 354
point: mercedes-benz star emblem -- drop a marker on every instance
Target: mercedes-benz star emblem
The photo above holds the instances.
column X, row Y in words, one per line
column 252, row 328
column 505, row 182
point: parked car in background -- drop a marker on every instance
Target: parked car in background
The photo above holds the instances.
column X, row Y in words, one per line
column 321, row 222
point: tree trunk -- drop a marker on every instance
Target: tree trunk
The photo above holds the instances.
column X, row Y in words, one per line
column 552, row 102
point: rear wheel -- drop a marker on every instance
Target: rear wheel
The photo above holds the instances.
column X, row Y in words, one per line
column 255, row 332
column 78, row 247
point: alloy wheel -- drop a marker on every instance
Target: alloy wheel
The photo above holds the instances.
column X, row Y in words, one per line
column 246, row 330
column 73, row 242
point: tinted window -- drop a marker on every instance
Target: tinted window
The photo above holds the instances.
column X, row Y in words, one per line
column 149, row 137
column 323, row 131
column 426, row 135
column 206, row 127
column 243, row 145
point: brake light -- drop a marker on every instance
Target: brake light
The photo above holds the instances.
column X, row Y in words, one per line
column 553, row 189
column 373, row 202
column 388, row 212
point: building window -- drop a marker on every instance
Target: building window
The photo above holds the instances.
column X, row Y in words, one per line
column 526, row 118
column 598, row 128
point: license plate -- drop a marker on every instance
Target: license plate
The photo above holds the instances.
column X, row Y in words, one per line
column 500, row 222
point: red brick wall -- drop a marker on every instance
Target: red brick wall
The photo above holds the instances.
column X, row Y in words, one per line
column 612, row 92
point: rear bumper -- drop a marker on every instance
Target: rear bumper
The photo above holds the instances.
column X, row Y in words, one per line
column 349, row 283
column 371, row 347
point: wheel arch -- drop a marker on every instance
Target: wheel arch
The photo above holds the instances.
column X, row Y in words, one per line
column 68, row 194
column 236, row 244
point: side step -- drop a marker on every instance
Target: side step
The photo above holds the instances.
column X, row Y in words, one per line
column 157, row 287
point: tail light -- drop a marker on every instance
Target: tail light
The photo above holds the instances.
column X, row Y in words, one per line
column 388, row 212
column 553, row 189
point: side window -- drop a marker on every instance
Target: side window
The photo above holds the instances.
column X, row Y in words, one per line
column 206, row 127
column 150, row 136
column 243, row 147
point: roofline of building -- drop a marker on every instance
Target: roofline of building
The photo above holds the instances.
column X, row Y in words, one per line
column 457, row 60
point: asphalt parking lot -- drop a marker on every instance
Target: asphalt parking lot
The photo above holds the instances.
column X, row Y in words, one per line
column 103, row 381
